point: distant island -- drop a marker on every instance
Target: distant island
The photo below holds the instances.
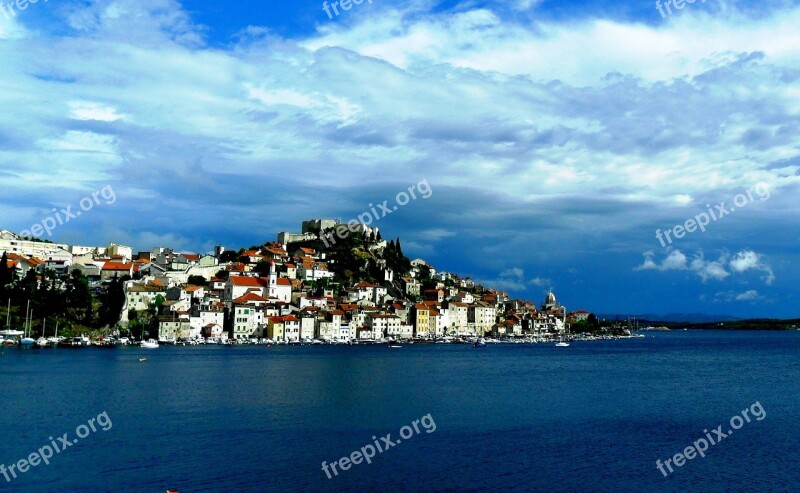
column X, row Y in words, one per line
column 747, row 324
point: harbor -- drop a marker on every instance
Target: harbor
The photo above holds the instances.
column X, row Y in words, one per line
column 13, row 339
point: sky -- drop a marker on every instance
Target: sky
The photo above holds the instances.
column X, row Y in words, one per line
column 555, row 138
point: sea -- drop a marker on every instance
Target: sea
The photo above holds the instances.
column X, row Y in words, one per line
column 593, row 417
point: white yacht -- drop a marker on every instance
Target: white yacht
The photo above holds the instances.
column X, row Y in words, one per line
column 149, row 344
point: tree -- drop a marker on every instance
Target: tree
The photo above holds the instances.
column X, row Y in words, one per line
column 111, row 308
column 6, row 275
column 229, row 256
column 262, row 268
column 197, row 280
column 395, row 259
column 78, row 302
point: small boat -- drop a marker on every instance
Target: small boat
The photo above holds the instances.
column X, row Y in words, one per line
column 562, row 344
column 480, row 343
column 142, row 360
column 149, row 344
column 394, row 345
column 108, row 342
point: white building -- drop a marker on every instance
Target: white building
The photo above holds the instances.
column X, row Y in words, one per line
column 380, row 325
column 11, row 243
column 483, row 316
column 248, row 321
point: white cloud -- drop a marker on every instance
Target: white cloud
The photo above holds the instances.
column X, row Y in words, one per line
column 85, row 110
column 751, row 295
column 540, row 282
column 709, row 269
column 675, row 260
column 747, row 260
column 436, row 234
column 734, row 297
column 513, row 279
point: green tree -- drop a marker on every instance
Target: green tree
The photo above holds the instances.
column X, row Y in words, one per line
column 113, row 302
column 78, row 302
column 197, row 280
column 262, row 268
column 229, row 256
column 6, row 275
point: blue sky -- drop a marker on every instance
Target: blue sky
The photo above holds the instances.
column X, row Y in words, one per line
column 557, row 137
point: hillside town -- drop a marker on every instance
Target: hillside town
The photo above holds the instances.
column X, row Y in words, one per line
column 305, row 287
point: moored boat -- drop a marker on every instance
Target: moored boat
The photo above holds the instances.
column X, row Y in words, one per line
column 75, row 342
column 480, row 343
column 149, row 344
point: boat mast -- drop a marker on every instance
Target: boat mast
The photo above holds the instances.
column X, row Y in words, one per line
column 8, row 314
column 27, row 311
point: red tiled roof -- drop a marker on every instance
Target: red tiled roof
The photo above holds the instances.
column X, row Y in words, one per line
column 249, row 297
column 246, row 281
column 366, row 285
column 117, row 266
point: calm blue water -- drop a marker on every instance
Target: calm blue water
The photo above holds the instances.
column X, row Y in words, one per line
column 591, row 417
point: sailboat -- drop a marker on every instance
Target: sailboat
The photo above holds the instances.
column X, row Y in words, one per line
column 8, row 334
column 53, row 341
column 42, row 342
column 28, row 340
